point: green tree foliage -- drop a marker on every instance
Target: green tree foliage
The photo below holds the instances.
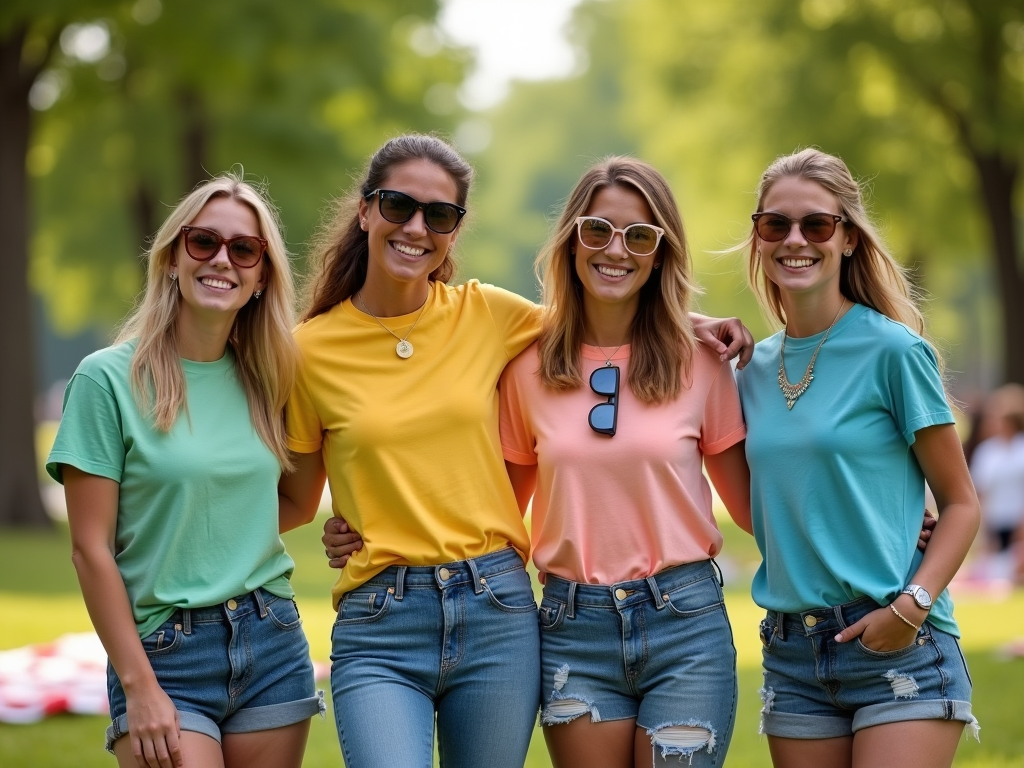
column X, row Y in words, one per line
column 712, row 92
column 136, row 101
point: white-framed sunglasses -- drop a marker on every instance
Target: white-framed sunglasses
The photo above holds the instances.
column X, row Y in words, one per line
column 639, row 239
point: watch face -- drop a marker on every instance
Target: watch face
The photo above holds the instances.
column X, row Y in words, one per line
column 921, row 597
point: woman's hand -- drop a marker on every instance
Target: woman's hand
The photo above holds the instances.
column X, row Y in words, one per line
column 153, row 728
column 927, row 526
column 883, row 631
column 340, row 542
column 728, row 337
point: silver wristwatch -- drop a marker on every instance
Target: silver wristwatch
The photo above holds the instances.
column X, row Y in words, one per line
column 920, row 594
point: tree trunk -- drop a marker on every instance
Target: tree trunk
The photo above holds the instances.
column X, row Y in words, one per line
column 194, row 137
column 998, row 178
column 20, row 503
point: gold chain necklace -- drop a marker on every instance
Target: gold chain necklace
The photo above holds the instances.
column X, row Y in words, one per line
column 792, row 392
column 403, row 348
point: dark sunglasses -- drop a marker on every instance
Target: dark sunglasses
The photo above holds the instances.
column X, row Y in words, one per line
column 398, row 208
column 243, row 251
column 603, row 416
column 817, row 227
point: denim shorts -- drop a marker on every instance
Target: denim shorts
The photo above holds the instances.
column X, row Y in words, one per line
column 237, row 667
column 816, row 688
column 455, row 643
column 658, row 650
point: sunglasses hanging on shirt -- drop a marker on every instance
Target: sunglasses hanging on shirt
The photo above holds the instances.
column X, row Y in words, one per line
column 603, row 416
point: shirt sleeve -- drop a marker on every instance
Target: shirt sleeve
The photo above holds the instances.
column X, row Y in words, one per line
column 918, row 399
column 90, row 436
column 516, row 319
column 517, row 439
column 302, row 422
column 723, row 425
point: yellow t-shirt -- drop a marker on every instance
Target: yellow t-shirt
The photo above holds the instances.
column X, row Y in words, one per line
column 411, row 446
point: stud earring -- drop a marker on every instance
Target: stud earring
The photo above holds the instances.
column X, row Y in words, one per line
column 848, row 252
column 173, row 276
column 257, row 294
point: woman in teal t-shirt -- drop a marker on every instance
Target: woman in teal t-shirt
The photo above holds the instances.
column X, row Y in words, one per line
column 846, row 420
column 170, row 449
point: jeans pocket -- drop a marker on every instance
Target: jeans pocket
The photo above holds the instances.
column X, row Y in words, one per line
column 362, row 606
column 769, row 631
column 550, row 614
column 284, row 613
column 695, row 598
column 167, row 638
column 510, row 591
column 922, row 637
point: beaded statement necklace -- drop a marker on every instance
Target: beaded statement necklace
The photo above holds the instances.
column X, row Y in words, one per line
column 792, row 392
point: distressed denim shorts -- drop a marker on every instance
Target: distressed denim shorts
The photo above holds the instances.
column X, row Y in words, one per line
column 237, row 667
column 816, row 688
column 658, row 650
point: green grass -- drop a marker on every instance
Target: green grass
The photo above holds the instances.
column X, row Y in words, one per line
column 39, row 601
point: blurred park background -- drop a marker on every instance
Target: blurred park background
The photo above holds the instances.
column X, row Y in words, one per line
column 112, row 110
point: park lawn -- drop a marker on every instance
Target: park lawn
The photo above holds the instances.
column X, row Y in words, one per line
column 39, row 600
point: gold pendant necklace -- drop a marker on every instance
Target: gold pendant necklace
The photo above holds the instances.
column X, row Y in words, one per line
column 403, row 348
column 792, row 392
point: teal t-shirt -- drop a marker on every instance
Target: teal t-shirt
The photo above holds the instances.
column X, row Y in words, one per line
column 197, row 518
column 837, row 495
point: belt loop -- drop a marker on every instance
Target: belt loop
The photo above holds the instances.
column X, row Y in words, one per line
column 781, row 625
column 400, row 582
column 721, row 578
column 258, row 594
column 186, row 620
column 571, row 600
column 474, row 574
column 656, row 592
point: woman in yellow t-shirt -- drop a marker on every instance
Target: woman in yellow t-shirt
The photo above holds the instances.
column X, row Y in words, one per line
column 396, row 404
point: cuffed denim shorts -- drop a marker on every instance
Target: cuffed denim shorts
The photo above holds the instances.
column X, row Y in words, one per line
column 454, row 644
column 816, row 688
column 658, row 650
column 237, row 667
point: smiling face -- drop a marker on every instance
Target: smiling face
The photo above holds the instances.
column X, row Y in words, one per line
column 215, row 288
column 612, row 277
column 400, row 254
column 797, row 266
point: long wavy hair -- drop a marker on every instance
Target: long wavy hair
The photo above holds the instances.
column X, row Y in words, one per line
column 661, row 337
column 870, row 276
column 261, row 339
column 340, row 250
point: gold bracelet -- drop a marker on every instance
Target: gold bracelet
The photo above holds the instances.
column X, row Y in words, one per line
column 903, row 618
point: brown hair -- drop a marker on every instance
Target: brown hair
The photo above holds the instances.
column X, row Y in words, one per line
column 662, row 337
column 338, row 258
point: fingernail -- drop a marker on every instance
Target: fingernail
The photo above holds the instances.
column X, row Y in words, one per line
column 839, row 637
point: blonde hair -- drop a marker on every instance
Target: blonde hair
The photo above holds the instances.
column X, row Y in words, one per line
column 261, row 339
column 869, row 276
column 662, row 338
column 341, row 249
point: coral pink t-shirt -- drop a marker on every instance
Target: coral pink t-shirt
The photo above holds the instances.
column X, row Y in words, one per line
column 611, row 509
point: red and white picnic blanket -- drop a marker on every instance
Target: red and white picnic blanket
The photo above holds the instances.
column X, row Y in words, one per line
column 67, row 675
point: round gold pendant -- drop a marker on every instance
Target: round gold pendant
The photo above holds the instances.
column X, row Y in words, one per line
column 404, row 349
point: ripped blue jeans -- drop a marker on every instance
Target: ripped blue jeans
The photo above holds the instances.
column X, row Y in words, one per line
column 657, row 650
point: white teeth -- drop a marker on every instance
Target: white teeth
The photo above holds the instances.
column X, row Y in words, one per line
column 611, row 271
column 408, row 250
column 797, row 263
column 213, row 282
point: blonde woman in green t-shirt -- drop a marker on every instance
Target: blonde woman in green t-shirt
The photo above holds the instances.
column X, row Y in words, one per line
column 169, row 450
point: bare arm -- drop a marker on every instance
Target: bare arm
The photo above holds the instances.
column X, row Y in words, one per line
column 299, row 492
column 728, row 337
column 524, row 482
column 941, row 456
column 728, row 471
column 92, row 517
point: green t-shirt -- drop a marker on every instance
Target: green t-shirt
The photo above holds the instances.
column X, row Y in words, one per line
column 197, row 517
